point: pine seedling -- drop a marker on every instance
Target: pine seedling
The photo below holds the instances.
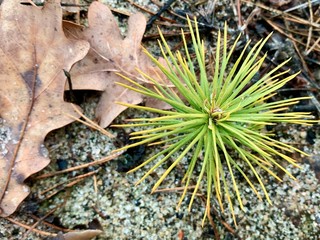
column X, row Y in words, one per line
column 213, row 116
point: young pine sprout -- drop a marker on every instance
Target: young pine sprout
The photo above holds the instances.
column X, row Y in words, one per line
column 218, row 119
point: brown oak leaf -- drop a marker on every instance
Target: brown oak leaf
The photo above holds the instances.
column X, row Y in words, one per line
column 110, row 53
column 33, row 53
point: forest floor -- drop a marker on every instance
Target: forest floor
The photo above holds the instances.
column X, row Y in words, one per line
column 106, row 198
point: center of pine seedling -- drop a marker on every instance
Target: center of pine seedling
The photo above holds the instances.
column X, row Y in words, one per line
column 216, row 114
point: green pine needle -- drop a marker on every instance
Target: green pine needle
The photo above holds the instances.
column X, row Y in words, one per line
column 212, row 115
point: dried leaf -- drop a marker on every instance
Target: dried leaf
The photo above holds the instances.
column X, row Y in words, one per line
column 34, row 52
column 79, row 235
column 110, row 54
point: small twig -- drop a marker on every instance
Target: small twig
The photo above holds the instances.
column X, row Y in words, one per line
column 121, row 12
column 303, row 5
column 71, row 184
column 313, row 46
column 29, row 227
column 213, row 225
column 310, row 28
column 314, row 101
column 95, row 184
column 68, row 180
column 25, row 235
column 29, row 2
column 276, row 27
column 140, row 7
column 225, row 224
column 150, row 12
column 68, row 76
column 52, row 225
column 97, row 162
column 277, row 13
column 239, row 13
column 255, row 12
column 157, row 15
